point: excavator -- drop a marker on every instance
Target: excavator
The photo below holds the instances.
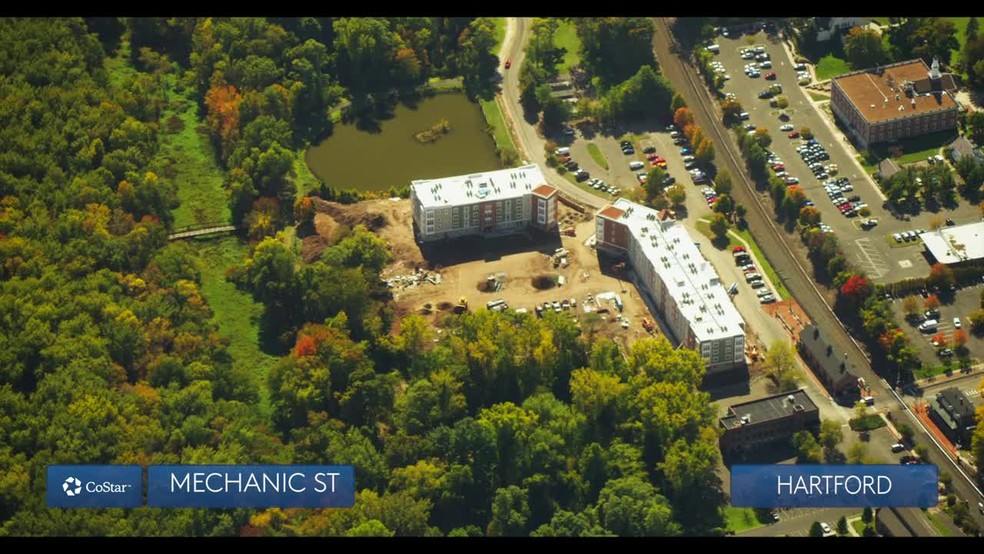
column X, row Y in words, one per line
column 462, row 306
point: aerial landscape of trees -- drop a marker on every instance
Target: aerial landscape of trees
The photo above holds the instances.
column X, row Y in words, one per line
column 110, row 352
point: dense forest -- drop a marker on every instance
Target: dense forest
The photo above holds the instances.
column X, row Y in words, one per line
column 494, row 424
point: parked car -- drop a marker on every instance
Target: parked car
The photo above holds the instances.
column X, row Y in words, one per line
column 793, row 135
column 770, row 76
column 508, row 64
column 786, row 127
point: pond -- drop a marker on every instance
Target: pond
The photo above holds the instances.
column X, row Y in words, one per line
column 352, row 158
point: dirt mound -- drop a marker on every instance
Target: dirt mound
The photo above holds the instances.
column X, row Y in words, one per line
column 389, row 219
column 312, row 247
column 444, row 306
column 361, row 213
column 325, row 225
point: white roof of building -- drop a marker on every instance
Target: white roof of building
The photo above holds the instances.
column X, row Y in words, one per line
column 690, row 279
column 502, row 184
column 956, row 244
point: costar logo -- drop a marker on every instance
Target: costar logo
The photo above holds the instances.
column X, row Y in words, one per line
column 72, row 486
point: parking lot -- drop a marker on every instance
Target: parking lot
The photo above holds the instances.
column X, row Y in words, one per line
column 872, row 250
column 964, row 301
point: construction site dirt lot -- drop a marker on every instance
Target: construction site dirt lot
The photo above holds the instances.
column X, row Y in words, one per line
column 520, row 270
column 522, row 266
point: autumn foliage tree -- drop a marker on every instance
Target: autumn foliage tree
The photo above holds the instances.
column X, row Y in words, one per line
column 688, row 131
column 683, row 117
column 809, row 216
column 731, row 108
column 941, row 275
column 705, row 152
column 939, row 339
column 856, row 289
column 932, row 302
column 959, row 338
column 222, row 105
column 910, row 305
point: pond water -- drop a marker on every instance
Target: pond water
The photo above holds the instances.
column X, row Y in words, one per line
column 362, row 160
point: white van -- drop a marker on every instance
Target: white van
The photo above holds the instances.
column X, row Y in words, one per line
column 634, row 165
column 714, row 48
column 928, row 326
column 562, row 151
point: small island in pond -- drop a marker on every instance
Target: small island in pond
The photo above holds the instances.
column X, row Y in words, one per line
column 436, row 131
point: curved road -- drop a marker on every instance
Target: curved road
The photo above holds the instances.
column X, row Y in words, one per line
column 779, row 248
column 528, row 142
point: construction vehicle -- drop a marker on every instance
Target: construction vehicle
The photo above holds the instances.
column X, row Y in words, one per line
column 618, row 268
column 647, row 324
column 462, row 306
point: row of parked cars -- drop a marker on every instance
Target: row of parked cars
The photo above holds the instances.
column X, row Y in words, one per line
column 777, row 165
column 556, row 306
column 564, row 155
column 907, row 236
column 752, row 276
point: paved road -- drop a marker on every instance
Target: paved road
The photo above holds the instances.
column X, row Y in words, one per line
column 529, row 143
column 779, row 246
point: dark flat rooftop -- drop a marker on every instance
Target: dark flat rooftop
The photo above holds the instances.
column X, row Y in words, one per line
column 767, row 409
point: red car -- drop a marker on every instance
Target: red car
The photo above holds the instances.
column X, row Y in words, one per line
column 770, row 76
column 737, row 249
column 794, row 134
column 652, row 157
column 508, row 64
column 778, row 167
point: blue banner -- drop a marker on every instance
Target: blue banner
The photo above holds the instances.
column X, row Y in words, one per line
column 94, row 486
column 834, row 486
column 250, row 486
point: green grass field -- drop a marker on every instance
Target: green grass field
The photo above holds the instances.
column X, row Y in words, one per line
column 500, row 132
column 303, row 177
column 868, row 162
column 819, row 96
column 198, row 177
column 566, row 38
column 741, row 519
column 933, row 518
column 236, row 314
column 831, row 66
column 858, row 527
column 499, row 34
column 917, row 149
column 119, row 67
column 597, row 156
column 199, row 180
column 961, row 24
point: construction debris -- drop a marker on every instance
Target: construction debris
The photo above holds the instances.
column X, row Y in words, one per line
column 419, row 277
